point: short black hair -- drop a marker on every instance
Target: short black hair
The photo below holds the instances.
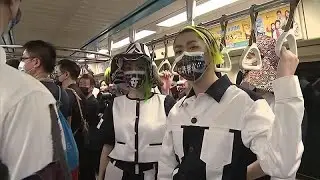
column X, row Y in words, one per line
column 70, row 66
column 279, row 11
column 45, row 51
column 13, row 63
column 277, row 21
column 7, row 2
column 88, row 76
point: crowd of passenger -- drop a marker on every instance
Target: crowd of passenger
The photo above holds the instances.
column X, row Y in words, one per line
column 139, row 124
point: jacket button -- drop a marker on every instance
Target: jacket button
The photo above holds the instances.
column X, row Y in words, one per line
column 191, row 149
column 194, row 120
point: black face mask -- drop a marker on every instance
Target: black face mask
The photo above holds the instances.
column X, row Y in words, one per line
column 85, row 90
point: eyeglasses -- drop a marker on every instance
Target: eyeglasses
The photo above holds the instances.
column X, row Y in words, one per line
column 22, row 59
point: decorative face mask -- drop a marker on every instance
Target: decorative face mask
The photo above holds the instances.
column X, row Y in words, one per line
column 135, row 79
column 190, row 65
column 263, row 78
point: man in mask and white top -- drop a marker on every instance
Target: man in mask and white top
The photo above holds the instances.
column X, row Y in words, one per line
column 30, row 139
column 213, row 131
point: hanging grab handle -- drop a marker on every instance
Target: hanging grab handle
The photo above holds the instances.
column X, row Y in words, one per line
column 288, row 34
column 223, row 48
column 252, row 47
column 165, row 61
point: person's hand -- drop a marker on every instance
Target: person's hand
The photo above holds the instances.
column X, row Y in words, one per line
column 288, row 63
column 166, row 75
column 167, row 79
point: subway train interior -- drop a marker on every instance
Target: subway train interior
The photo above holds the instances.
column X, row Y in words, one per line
column 131, row 96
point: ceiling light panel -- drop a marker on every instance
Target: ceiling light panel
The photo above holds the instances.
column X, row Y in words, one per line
column 140, row 35
column 200, row 10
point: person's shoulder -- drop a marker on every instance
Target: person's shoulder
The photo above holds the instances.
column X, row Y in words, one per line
column 246, row 93
column 16, row 86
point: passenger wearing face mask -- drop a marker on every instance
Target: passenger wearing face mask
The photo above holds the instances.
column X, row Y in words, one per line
column 92, row 150
column 212, row 132
column 30, row 139
column 86, row 84
column 135, row 123
column 67, row 72
column 39, row 60
column 260, row 81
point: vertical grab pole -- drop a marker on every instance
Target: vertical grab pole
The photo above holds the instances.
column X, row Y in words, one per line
column 191, row 7
column 132, row 34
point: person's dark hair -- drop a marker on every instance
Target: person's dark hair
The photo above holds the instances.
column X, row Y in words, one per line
column 88, row 76
column 102, row 82
column 7, row 2
column 70, row 66
column 279, row 11
column 13, row 63
column 277, row 21
column 44, row 51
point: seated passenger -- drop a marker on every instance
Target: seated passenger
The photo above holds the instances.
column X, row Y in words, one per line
column 134, row 123
column 31, row 145
column 212, row 131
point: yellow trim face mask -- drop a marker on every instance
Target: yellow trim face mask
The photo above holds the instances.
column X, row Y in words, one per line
column 190, row 65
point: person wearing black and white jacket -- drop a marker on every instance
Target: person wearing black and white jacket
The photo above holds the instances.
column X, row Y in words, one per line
column 214, row 130
column 135, row 124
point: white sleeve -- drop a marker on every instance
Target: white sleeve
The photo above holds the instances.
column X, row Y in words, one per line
column 275, row 137
column 167, row 163
column 26, row 137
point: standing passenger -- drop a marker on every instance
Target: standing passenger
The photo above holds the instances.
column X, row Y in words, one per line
column 92, row 151
column 67, row 74
column 39, row 60
column 212, row 131
column 30, row 139
column 261, row 82
column 136, row 122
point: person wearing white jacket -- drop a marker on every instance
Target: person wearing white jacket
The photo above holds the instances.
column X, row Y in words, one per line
column 261, row 81
column 213, row 131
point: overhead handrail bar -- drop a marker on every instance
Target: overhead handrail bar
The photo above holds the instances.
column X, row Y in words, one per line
column 63, row 49
column 252, row 48
column 288, row 33
column 223, row 47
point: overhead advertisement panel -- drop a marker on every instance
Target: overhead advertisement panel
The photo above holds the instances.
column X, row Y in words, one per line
column 270, row 23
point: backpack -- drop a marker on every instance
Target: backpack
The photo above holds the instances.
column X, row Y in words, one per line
column 71, row 149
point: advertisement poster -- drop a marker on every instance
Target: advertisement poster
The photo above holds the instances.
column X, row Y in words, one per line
column 269, row 23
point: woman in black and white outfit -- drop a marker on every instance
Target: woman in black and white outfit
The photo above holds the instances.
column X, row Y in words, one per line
column 213, row 131
column 135, row 123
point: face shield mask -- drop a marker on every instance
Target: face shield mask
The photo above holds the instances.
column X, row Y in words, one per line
column 190, row 65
